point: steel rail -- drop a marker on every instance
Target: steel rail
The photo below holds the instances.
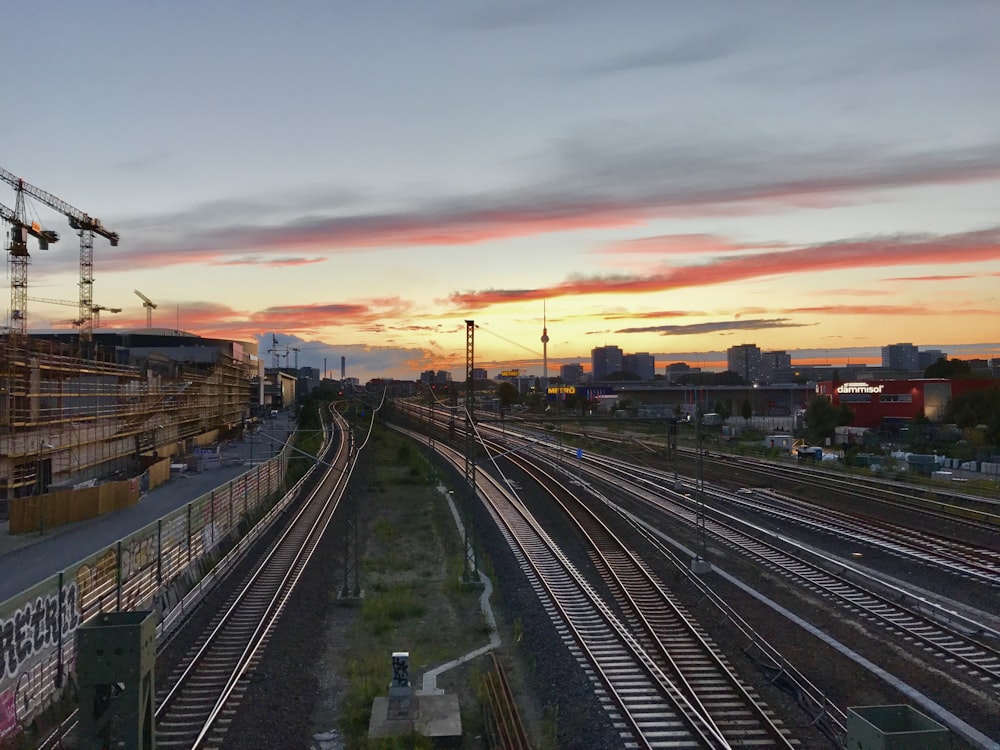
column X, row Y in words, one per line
column 636, row 692
column 224, row 657
column 950, row 643
column 663, row 627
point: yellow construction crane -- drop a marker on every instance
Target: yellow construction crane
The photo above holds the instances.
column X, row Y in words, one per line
column 149, row 305
column 18, row 250
column 86, row 226
column 96, row 309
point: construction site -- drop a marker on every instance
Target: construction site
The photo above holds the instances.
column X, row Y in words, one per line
column 82, row 408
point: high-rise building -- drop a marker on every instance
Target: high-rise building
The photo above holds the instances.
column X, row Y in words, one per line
column 774, row 365
column 479, row 373
column 745, row 361
column 676, row 369
column 571, row 374
column 927, row 357
column 640, row 364
column 605, row 360
column 900, row 357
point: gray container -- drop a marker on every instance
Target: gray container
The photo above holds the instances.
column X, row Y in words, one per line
column 894, row 728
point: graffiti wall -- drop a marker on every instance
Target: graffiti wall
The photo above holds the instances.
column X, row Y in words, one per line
column 150, row 569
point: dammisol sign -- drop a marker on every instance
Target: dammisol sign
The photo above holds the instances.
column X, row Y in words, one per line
column 859, row 388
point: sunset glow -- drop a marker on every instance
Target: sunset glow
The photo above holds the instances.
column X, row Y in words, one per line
column 805, row 181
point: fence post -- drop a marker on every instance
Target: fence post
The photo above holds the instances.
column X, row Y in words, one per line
column 59, row 635
column 159, row 551
column 189, row 533
column 118, row 577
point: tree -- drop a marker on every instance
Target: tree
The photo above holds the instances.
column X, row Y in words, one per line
column 949, row 368
column 821, row 418
column 746, row 411
column 974, row 408
column 507, row 394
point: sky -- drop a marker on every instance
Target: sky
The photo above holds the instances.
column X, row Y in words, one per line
column 359, row 179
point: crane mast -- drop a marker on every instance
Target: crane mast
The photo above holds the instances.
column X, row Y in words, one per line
column 86, row 226
column 18, row 260
column 149, row 305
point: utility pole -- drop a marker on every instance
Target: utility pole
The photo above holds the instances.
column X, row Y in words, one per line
column 470, row 574
column 700, row 563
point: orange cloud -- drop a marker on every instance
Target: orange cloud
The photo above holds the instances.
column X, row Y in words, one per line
column 277, row 262
column 597, row 193
column 681, row 244
column 955, row 277
column 886, row 310
column 970, row 247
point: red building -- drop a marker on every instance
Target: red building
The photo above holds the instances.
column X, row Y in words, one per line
column 876, row 401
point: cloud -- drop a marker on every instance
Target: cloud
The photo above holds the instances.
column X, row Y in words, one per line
column 900, row 250
column 941, row 277
column 145, row 162
column 680, row 244
column 714, row 327
column 625, row 315
column 277, row 262
column 588, row 183
column 689, row 51
column 886, row 310
column 362, row 361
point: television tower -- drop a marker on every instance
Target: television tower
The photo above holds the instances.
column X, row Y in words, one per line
column 545, row 347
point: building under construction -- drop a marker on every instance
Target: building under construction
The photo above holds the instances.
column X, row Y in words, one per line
column 72, row 415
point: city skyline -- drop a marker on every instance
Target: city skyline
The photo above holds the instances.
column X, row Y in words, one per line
column 358, row 180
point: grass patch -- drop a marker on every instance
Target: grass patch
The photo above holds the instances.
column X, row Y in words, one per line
column 413, row 560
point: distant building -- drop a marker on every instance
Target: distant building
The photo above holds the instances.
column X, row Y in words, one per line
column 775, row 366
column 927, row 357
column 901, row 358
column 571, row 374
column 641, row 364
column 893, row 403
column 605, row 360
column 308, row 380
column 675, row 369
column 745, row 360
column 479, row 373
column 432, row 377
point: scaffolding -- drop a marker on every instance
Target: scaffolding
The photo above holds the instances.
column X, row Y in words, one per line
column 67, row 419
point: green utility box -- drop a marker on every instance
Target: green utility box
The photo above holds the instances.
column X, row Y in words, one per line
column 115, row 656
column 893, row 728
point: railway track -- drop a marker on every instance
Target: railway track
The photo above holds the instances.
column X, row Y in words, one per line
column 204, row 691
column 939, row 503
column 954, row 654
column 663, row 629
column 654, row 706
column 956, row 644
column 970, row 561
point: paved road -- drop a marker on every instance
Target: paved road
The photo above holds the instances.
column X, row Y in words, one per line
column 26, row 559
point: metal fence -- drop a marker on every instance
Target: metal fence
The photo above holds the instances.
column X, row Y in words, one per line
column 151, row 568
